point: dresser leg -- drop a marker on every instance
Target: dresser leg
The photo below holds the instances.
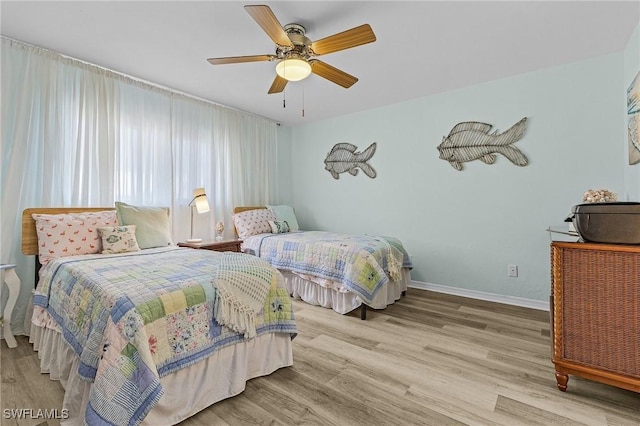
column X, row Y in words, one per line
column 562, row 379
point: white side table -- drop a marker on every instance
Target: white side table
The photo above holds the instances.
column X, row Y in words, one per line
column 13, row 283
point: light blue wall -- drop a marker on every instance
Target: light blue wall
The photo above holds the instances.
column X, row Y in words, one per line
column 631, row 69
column 284, row 193
column 464, row 228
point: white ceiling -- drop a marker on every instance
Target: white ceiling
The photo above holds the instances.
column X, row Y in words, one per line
column 422, row 47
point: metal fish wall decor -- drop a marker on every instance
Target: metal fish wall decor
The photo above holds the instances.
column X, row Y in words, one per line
column 633, row 109
column 471, row 140
column 344, row 158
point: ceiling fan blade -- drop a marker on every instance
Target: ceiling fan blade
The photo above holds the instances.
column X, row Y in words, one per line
column 345, row 40
column 278, row 85
column 269, row 23
column 239, row 59
column 332, row 74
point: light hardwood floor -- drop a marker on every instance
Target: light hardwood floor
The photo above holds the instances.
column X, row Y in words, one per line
column 429, row 359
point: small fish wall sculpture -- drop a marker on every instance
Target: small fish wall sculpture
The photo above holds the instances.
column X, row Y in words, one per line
column 471, row 140
column 344, row 158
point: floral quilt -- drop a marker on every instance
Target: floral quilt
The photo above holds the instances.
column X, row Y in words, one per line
column 135, row 317
column 362, row 263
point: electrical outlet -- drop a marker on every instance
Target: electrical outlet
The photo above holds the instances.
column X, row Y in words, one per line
column 512, row 270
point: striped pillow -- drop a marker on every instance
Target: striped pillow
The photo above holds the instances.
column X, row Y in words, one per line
column 279, row 226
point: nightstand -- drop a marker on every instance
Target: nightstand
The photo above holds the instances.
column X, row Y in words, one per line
column 13, row 284
column 224, row 245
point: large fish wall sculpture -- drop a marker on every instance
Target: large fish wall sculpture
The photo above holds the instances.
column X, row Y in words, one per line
column 471, row 140
column 344, row 158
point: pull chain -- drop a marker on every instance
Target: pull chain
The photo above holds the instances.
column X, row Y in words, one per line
column 303, row 101
column 284, row 96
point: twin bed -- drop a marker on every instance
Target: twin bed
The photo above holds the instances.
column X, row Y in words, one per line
column 333, row 270
column 151, row 336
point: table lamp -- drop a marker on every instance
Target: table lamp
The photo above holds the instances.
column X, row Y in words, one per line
column 201, row 204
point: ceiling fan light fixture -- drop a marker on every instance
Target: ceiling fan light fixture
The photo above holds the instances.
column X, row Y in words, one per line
column 293, row 69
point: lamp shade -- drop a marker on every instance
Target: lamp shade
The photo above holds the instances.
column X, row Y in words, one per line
column 293, row 69
column 200, row 200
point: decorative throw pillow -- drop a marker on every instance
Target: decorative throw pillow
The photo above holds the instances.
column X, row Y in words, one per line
column 153, row 227
column 253, row 222
column 70, row 234
column 285, row 213
column 278, row 226
column 118, row 239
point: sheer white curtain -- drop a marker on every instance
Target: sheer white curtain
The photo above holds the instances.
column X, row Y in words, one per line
column 143, row 148
column 251, row 142
column 195, row 165
column 232, row 154
column 74, row 134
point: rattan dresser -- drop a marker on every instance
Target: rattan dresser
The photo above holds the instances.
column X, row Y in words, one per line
column 595, row 313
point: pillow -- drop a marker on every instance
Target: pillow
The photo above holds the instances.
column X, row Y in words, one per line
column 70, row 234
column 253, row 222
column 279, row 227
column 153, row 228
column 285, row 213
column 118, row 239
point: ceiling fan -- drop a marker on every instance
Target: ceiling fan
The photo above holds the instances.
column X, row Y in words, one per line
column 296, row 54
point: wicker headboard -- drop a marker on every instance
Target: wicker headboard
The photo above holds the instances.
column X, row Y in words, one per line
column 244, row 208
column 29, row 234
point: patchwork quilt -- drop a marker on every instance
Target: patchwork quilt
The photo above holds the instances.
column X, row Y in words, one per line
column 135, row 317
column 362, row 263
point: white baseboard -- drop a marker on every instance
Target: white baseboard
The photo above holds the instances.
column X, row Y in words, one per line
column 481, row 295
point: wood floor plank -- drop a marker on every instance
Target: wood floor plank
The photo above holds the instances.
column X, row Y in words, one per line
column 455, row 408
column 521, row 412
column 393, row 407
column 429, row 359
column 540, row 406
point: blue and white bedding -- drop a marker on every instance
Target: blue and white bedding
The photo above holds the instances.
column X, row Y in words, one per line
column 135, row 317
column 362, row 263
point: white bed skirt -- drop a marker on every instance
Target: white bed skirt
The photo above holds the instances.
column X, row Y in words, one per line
column 187, row 391
column 328, row 294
